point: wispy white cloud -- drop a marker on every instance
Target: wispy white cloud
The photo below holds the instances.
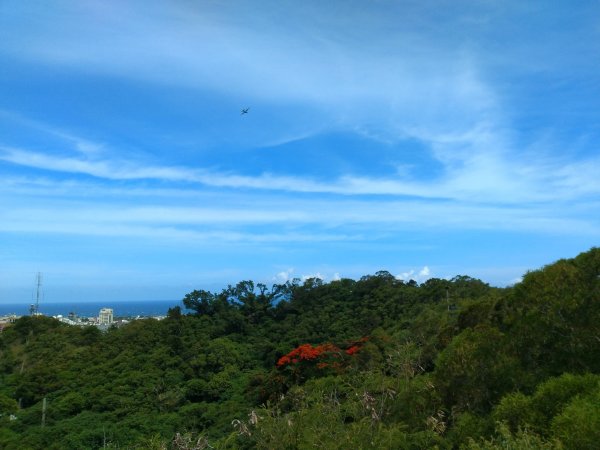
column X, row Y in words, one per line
column 185, row 236
column 81, row 145
column 390, row 82
column 515, row 280
column 419, row 276
column 284, row 275
column 316, row 275
column 477, row 204
column 429, row 88
column 389, row 72
column 287, row 275
column 294, row 220
column 112, row 170
column 476, row 178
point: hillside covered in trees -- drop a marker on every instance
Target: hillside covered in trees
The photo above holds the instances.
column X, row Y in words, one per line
column 373, row 363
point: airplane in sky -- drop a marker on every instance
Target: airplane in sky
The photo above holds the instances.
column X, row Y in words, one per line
column 244, row 111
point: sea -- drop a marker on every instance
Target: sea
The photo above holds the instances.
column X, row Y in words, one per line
column 150, row 308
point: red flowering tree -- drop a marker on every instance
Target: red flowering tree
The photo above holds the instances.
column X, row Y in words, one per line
column 307, row 353
column 352, row 350
column 356, row 346
column 306, row 359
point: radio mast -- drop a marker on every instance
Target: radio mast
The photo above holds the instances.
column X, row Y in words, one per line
column 35, row 308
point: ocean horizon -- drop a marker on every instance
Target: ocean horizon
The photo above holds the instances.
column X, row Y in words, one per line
column 126, row 308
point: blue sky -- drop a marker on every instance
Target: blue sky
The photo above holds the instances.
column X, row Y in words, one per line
column 426, row 138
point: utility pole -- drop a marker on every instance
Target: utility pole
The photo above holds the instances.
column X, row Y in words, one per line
column 44, row 412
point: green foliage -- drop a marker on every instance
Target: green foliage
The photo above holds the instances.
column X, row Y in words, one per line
column 537, row 411
column 516, row 411
column 332, row 420
column 469, row 427
column 474, row 371
column 578, row 425
column 7, row 405
column 387, row 364
column 505, row 440
column 554, row 316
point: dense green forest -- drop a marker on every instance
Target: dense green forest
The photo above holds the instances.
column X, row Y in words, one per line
column 373, row 363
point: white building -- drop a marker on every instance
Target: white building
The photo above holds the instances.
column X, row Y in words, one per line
column 106, row 316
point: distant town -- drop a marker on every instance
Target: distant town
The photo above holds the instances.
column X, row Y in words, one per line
column 104, row 320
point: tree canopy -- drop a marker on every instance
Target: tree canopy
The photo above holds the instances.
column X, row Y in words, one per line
column 368, row 363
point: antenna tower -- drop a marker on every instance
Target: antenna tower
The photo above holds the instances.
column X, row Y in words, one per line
column 35, row 308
